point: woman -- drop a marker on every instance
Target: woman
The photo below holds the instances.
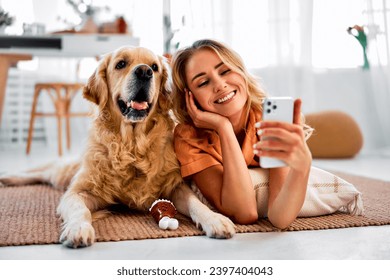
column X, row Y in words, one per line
column 218, row 107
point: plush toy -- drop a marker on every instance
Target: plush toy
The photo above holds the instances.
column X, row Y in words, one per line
column 163, row 212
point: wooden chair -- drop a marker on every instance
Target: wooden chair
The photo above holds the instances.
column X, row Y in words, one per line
column 61, row 94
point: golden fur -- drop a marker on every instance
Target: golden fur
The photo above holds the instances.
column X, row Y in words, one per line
column 129, row 157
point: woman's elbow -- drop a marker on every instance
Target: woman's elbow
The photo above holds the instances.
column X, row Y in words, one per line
column 246, row 218
column 241, row 214
column 280, row 222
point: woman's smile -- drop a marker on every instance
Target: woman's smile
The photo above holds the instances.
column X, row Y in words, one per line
column 226, row 98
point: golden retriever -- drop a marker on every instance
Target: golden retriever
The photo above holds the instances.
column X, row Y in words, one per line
column 129, row 157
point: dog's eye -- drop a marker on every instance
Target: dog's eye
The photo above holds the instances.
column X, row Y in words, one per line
column 121, row 64
column 155, row 67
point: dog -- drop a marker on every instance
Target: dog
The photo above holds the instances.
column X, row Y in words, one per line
column 129, row 158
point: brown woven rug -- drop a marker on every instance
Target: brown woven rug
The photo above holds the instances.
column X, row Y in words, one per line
column 27, row 216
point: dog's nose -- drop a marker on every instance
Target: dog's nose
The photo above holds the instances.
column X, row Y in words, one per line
column 144, row 72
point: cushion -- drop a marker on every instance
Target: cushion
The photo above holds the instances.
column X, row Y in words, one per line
column 336, row 135
column 326, row 193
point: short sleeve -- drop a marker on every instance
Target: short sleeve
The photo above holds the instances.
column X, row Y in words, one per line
column 195, row 151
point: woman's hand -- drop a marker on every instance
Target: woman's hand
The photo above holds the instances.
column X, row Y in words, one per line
column 287, row 185
column 285, row 141
column 204, row 119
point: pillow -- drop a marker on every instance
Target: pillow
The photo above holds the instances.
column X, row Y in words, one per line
column 336, row 135
column 326, row 193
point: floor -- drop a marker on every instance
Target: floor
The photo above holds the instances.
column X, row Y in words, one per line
column 351, row 243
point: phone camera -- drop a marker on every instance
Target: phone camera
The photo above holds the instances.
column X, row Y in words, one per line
column 269, row 103
column 274, row 107
column 268, row 111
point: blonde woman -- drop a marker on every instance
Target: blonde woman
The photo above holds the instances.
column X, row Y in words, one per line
column 218, row 107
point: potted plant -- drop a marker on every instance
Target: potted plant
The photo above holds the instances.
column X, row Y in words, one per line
column 5, row 20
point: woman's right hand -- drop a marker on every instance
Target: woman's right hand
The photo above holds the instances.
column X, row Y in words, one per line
column 286, row 142
column 204, row 119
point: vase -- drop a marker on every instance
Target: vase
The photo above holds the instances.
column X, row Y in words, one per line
column 2, row 29
column 88, row 25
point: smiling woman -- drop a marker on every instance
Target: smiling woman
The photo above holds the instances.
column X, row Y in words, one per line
column 217, row 141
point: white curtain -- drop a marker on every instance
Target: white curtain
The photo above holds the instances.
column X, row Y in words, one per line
column 378, row 25
column 310, row 61
column 289, row 48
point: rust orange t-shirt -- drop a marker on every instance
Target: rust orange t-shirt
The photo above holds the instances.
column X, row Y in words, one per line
column 197, row 150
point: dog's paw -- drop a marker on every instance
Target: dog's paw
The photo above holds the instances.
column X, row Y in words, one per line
column 218, row 226
column 78, row 235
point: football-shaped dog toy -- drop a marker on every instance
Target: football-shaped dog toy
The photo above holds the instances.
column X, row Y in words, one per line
column 163, row 212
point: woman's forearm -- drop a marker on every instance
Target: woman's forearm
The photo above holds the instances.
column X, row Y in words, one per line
column 285, row 207
column 237, row 194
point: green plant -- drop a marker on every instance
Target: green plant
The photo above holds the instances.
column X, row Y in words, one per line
column 5, row 18
column 358, row 32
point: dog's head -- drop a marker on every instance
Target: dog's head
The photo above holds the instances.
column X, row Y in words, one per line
column 132, row 82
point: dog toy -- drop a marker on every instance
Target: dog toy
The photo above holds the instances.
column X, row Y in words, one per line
column 163, row 212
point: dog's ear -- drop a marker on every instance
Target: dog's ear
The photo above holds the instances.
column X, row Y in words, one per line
column 96, row 89
column 165, row 99
column 167, row 77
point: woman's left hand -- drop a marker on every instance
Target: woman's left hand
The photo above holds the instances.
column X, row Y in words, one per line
column 285, row 141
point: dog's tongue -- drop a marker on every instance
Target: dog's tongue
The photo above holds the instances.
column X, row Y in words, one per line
column 138, row 105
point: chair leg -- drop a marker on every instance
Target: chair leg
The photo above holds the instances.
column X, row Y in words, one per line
column 68, row 136
column 60, row 112
column 32, row 119
column 59, row 127
column 67, row 101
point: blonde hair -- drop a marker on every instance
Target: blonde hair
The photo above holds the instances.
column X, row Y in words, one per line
column 229, row 57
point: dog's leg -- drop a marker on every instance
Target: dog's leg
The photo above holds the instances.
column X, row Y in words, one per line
column 76, row 210
column 34, row 176
column 57, row 174
column 214, row 224
column 25, row 178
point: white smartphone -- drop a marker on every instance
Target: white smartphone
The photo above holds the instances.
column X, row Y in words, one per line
column 276, row 109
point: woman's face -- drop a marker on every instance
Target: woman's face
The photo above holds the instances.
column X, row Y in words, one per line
column 214, row 85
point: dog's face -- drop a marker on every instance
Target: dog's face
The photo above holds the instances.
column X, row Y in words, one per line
column 130, row 80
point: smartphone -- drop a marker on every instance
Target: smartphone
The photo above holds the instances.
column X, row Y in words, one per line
column 276, row 109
